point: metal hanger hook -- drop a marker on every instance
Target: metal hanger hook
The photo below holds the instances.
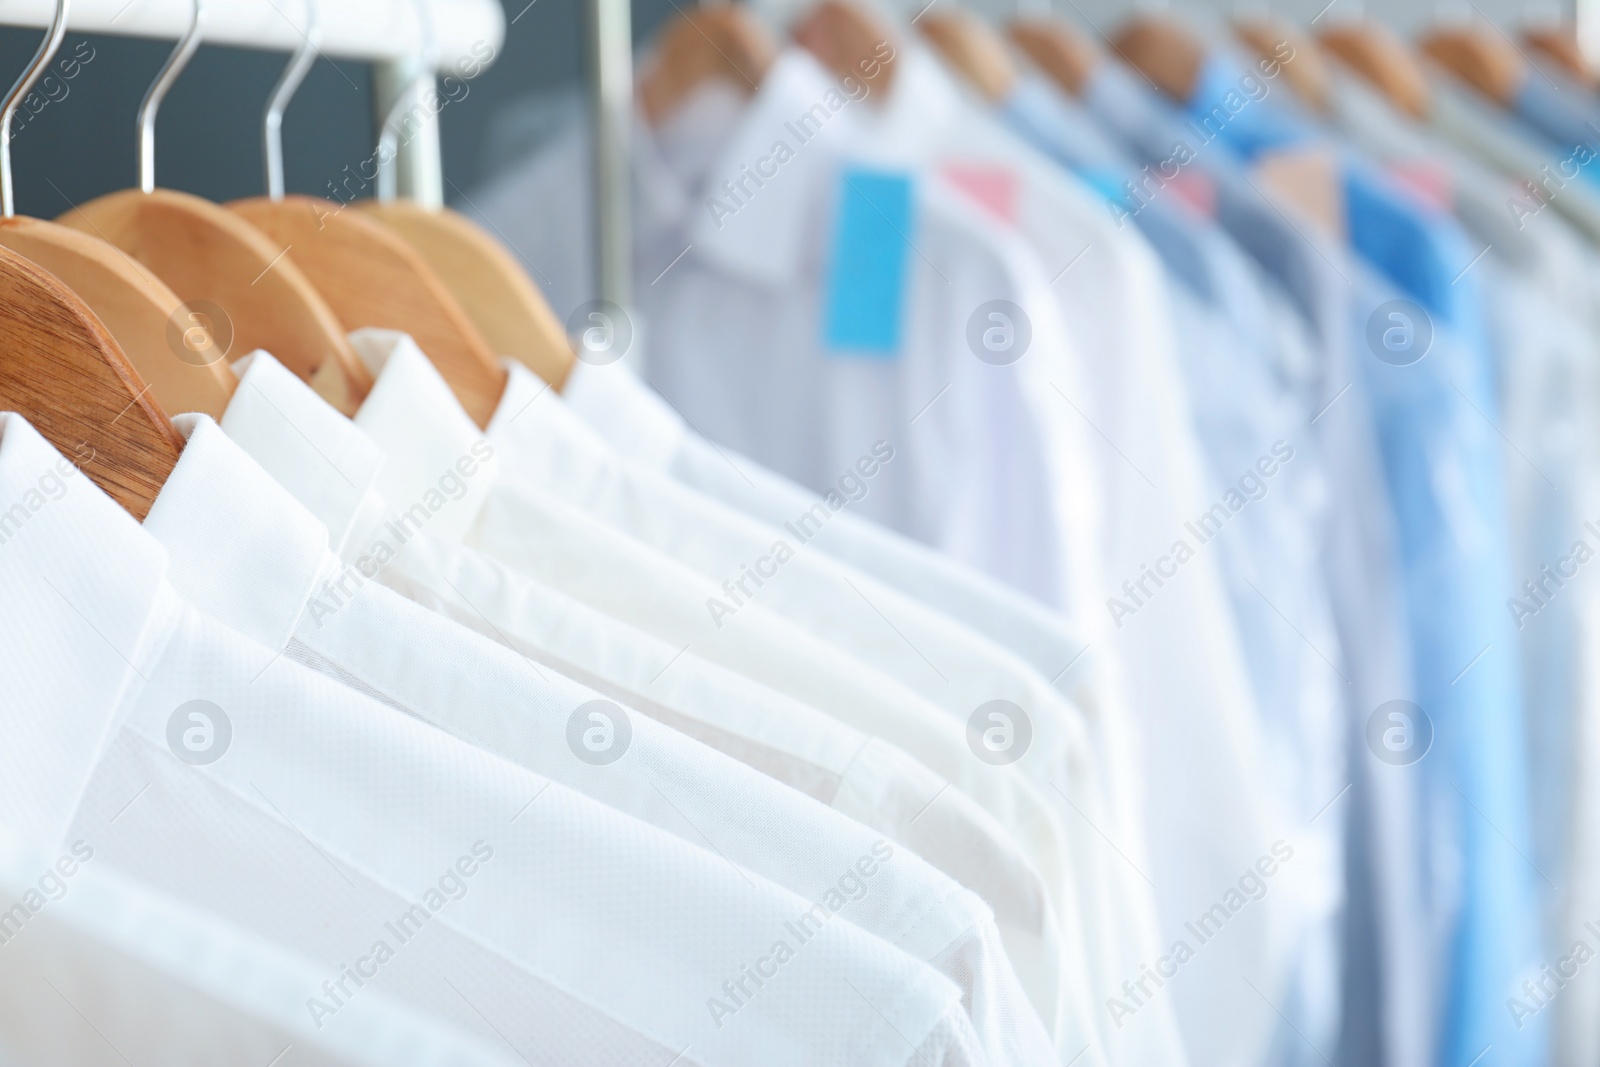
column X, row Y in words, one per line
column 272, row 120
column 157, row 92
column 41, row 59
column 426, row 58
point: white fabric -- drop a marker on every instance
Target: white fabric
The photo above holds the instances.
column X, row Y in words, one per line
column 292, row 433
column 943, row 660
column 641, row 426
column 221, row 516
column 331, row 816
column 105, row 972
column 546, row 538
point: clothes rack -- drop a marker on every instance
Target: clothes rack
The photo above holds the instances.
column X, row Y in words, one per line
column 383, row 32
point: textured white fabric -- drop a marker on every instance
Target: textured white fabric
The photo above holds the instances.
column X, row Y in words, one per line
column 292, row 433
column 221, row 516
column 946, row 662
column 539, row 535
column 330, row 818
column 105, row 972
column 641, row 426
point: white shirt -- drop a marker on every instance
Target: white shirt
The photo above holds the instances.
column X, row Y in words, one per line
column 733, row 330
column 292, row 433
column 330, row 817
column 501, row 603
column 1117, row 415
column 219, row 513
column 103, row 972
column 539, row 443
column 641, row 426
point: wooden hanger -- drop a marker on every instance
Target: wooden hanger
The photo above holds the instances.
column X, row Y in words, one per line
column 1382, row 59
column 1306, row 72
column 490, row 285
column 1560, row 44
column 1062, row 52
column 207, row 253
column 850, row 41
column 1163, row 50
column 1308, row 178
column 62, row 371
column 1486, row 61
column 171, row 346
column 129, row 301
column 970, row 46
column 711, row 41
column 367, row 273
column 369, row 276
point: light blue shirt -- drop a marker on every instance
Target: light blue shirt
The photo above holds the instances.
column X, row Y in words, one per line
column 1443, row 467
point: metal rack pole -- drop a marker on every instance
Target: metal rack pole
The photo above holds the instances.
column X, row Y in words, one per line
column 611, row 97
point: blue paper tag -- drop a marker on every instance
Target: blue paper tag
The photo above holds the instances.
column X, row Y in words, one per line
column 1109, row 182
column 866, row 285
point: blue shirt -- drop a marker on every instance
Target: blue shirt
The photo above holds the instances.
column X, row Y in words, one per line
column 1442, row 466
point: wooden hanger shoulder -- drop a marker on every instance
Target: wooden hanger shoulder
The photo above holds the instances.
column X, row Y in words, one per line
column 173, row 352
column 708, row 41
column 1062, row 52
column 1165, row 51
column 490, row 285
column 62, row 371
column 1305, row 70
column 371, row 277
column 205, row 252
column 1485, row 61
column 1383, row 60
column 972, row 48
column 1560, row 44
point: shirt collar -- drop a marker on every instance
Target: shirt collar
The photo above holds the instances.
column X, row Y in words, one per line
column 436, row 457
column 532, row 418
column 84, row 582
column 305, row 445
column 242, row 549
column 631, row 416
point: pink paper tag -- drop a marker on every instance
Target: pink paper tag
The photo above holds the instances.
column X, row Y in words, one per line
column 1195, row 189
column 1426, row 178
column 992, row 186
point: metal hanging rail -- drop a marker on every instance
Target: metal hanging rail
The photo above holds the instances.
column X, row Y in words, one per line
column 370, row 30
column 611, row 111
column 462, row 37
